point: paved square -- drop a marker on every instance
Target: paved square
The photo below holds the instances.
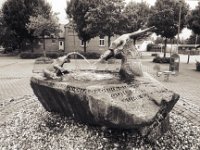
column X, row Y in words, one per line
column 15, row 76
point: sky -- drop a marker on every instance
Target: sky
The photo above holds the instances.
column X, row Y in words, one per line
column 60, row 6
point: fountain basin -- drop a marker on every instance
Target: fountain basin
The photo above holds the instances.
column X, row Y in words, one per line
column 108, row 101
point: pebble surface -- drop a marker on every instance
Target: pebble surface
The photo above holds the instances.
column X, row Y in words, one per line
column 31, row 127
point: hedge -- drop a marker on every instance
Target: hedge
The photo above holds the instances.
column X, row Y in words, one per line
column 89, row 55
column 53, row 55
column 30, row 55
column 43, row 60
column 154, row 48
column 159, row 59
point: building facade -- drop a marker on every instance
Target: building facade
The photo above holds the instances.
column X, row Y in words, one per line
column 73, row 43
column 51, row 44
column 68, row 41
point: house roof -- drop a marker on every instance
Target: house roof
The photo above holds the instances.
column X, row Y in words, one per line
column 69, row 25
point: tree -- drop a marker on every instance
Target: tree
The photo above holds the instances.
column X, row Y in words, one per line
column 16, row 14
column 40, row 26
column 193, row 21
column 8, row 38
column 1, row 19
column 135, row 17
column 166, row 18
column 193, row 39
column 106, row 18
column 76, row 10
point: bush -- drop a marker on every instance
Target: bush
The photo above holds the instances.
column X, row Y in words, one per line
column 43, row 60
column 89, row 55
column 30, row 55
column 154, row 54
column 154, row 47
column 198, row 66
column 159, row 59
column 54, row 55
column 149, row 47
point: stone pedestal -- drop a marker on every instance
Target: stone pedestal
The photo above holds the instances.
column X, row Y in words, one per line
column 156, row 130
column 143, row 104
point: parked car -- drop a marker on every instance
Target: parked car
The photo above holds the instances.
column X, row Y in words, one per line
column 2, row 49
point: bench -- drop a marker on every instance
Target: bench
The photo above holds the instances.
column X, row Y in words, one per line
column 166, row 74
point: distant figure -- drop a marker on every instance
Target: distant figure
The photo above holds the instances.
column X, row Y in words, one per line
column 56, row 68
column 120, row 47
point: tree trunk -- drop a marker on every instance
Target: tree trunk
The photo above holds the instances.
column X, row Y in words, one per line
column 44, row 49
column 165, row 48
column 84, row 46
column 109, row 39
column 171, row 41
column 32, row 45
column 188, row 57
column 20, row 45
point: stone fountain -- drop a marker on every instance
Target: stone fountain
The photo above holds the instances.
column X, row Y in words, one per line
column 126, row 99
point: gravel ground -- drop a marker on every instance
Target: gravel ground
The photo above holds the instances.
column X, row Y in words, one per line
column 31, row 127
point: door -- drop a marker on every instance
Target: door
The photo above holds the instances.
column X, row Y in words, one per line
column 61, row 45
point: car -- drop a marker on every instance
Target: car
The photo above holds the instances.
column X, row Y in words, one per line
column 198, row 47
column 2, row 49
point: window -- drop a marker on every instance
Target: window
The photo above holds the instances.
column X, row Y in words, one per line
column 82, row 43
column 61, row 43
column 101, row 41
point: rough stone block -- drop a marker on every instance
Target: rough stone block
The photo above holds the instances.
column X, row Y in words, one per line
column 143, row 104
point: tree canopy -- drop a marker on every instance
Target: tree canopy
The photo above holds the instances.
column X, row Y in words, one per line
column 16, row 15
column 193, row 39
column 135, row 17
column 76, row 10
column 8, row 38
column 43, row 23
column 40, row 26
column 106, row 18
column 193, row 20
column 165, row 18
